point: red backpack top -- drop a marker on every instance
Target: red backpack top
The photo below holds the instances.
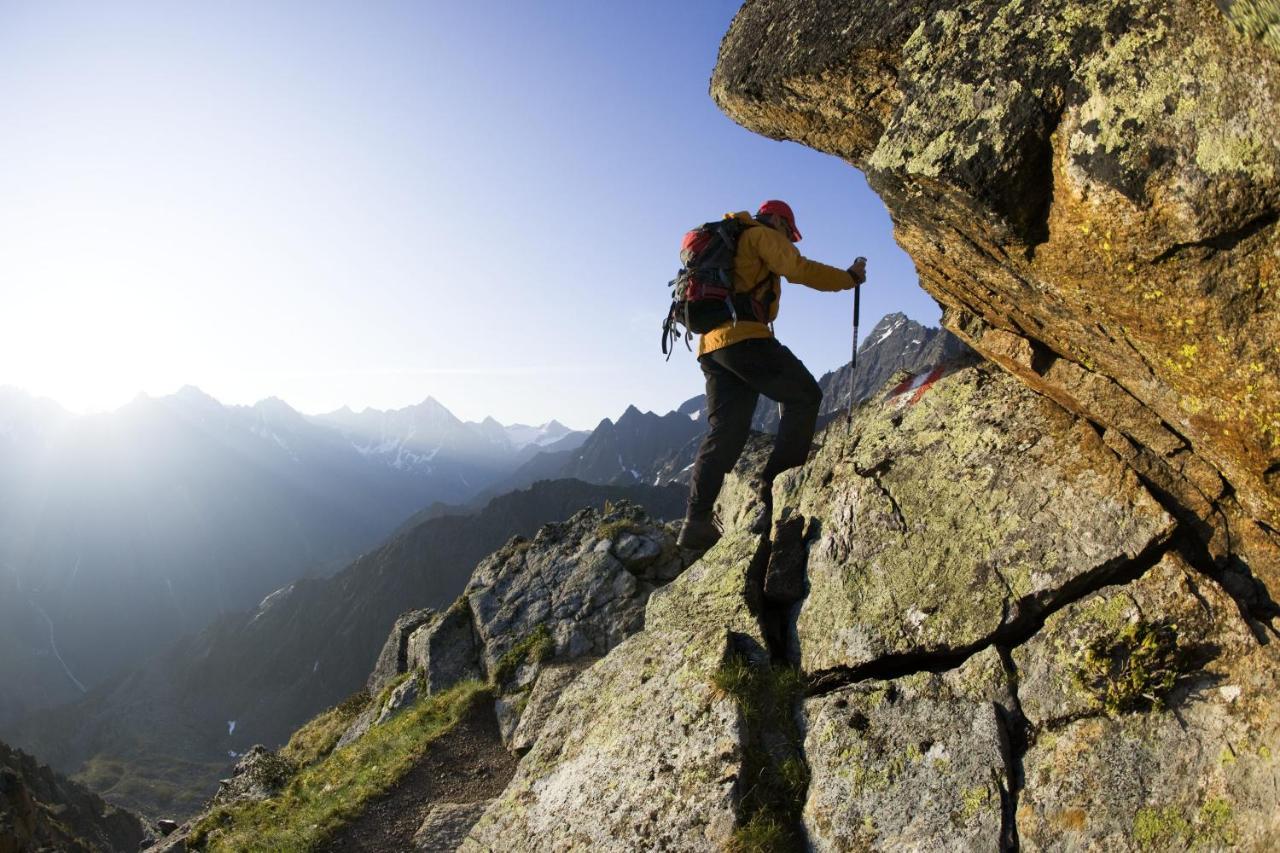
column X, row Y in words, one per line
column 702, row 293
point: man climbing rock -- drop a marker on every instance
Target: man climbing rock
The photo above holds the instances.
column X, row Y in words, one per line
column 741, row 360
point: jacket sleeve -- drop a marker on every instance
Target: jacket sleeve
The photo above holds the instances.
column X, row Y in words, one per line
column 782, row 257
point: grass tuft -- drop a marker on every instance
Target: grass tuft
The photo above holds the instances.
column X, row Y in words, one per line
column 324, row 796
column 613, row 530
column 536, row 647
column 764, row 832
column 774, row 779
column 319, row 736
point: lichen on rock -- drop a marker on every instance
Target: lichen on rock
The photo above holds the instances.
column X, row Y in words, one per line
column 641, row 749
column 915, row 763
column 945, row 521
column 1097, row 181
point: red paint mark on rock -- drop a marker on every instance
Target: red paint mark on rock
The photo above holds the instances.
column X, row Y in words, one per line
column 915, row 385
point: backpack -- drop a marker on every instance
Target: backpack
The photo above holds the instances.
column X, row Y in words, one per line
column 702, row 293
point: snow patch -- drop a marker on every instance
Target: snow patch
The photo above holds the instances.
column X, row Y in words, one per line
column 231, row 727
column 693, row 416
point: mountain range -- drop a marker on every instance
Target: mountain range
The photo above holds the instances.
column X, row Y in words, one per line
column 120, row 532
column 157, row 738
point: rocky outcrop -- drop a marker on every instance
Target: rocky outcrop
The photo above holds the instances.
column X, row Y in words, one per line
column 535, row 613
column 259, row 774
column 1091, row 190
column 42, row 810
column 393, row 658
column 989, row 597
column 444, row 649
column 642, row 750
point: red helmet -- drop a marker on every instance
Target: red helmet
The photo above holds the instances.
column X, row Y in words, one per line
column 781, row 208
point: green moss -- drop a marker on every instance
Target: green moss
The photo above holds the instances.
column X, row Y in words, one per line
column 1132, row 670
column 536, row 646
column 1214, row 825
column 774, row 780
column 320, row 735
column 324, row 796
column 1159, row 828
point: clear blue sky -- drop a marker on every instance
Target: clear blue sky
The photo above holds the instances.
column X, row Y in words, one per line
column 369, row 203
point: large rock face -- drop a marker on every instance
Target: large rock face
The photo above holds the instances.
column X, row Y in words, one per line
column 1091, row 190
column 967, row 513
column 921, row 763
column 1005, row 639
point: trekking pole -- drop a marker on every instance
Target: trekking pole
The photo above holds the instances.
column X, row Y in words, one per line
column 853, row 360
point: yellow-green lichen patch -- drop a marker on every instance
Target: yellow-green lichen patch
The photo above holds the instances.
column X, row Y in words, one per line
column 1167, row 827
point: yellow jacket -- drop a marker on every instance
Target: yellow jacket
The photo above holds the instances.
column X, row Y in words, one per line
column 762, row 252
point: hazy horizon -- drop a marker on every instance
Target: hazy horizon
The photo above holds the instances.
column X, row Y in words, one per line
column 369, row 206
column 661, row 409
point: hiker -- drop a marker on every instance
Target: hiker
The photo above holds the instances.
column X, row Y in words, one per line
column 741, row 360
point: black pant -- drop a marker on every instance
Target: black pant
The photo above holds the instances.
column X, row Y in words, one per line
column 736, row 376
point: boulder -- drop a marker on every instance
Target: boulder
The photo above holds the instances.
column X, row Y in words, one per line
column 643, row 751
column 953, row 516
column 1155, row 721
column 1090, row 190
column 394, row 657
column 1057, row 673
column 444, row 649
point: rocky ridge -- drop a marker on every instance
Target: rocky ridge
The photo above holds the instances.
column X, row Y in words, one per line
column 966, row 623
column 989, row 593
column 41, row 810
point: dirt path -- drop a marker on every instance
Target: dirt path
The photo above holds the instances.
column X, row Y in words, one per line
column 466, row 765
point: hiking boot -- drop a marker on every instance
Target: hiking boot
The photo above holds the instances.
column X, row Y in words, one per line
column 699, row 532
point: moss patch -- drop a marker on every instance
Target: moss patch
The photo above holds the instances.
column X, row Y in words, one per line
column 1167, row 827
column 326, row 795
column 536, row 646
column 1134, row 669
